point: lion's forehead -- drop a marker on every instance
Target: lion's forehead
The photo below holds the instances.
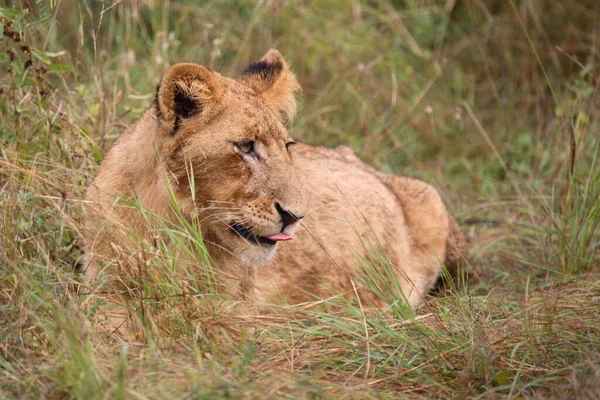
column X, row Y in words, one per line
column 251, row 112
column 260, row 124
column 264, row 131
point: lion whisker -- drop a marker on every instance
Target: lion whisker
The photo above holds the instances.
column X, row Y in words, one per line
column 222, row 208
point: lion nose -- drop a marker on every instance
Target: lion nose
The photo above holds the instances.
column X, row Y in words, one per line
column 287, row 217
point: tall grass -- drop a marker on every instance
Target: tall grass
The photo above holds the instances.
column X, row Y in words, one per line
column 451, row 92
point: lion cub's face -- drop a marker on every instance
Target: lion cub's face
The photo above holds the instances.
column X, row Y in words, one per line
column 229, row 155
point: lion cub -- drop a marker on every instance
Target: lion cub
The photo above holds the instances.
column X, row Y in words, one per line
column 220, row 147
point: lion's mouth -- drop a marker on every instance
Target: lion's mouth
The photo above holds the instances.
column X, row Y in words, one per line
column 247, row 234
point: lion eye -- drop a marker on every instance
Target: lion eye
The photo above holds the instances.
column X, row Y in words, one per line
column 289, row 144
column 246, row 147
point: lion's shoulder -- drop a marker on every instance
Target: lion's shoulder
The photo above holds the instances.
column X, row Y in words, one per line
column 340, row 154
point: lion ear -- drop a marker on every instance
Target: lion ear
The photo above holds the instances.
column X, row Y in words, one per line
column 272, row 79
column 187, row 90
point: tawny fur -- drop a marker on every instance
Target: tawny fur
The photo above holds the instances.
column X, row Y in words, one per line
column 345, row 202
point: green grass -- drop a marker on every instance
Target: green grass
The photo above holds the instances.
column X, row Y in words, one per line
column 495, row 103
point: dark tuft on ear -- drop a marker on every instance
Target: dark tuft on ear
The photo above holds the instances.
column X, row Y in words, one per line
column 185, row 91
column 268, row 72
column 272, row 79
column 156, row 106
column 185, row 106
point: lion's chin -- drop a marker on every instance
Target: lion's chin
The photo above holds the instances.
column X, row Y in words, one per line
column 246, row 252
column 257, row 255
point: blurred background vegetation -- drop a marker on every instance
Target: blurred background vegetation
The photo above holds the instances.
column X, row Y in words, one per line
column 495, row 102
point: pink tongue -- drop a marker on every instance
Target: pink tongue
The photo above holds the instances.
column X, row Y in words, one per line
column 279, row 237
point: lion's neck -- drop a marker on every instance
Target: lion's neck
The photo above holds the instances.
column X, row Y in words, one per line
column 237, row 279
column 142, row 167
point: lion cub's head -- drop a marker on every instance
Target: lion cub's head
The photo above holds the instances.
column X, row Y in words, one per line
column 228, row 153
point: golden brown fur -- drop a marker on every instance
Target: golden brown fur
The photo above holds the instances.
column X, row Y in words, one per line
column 194, row 140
